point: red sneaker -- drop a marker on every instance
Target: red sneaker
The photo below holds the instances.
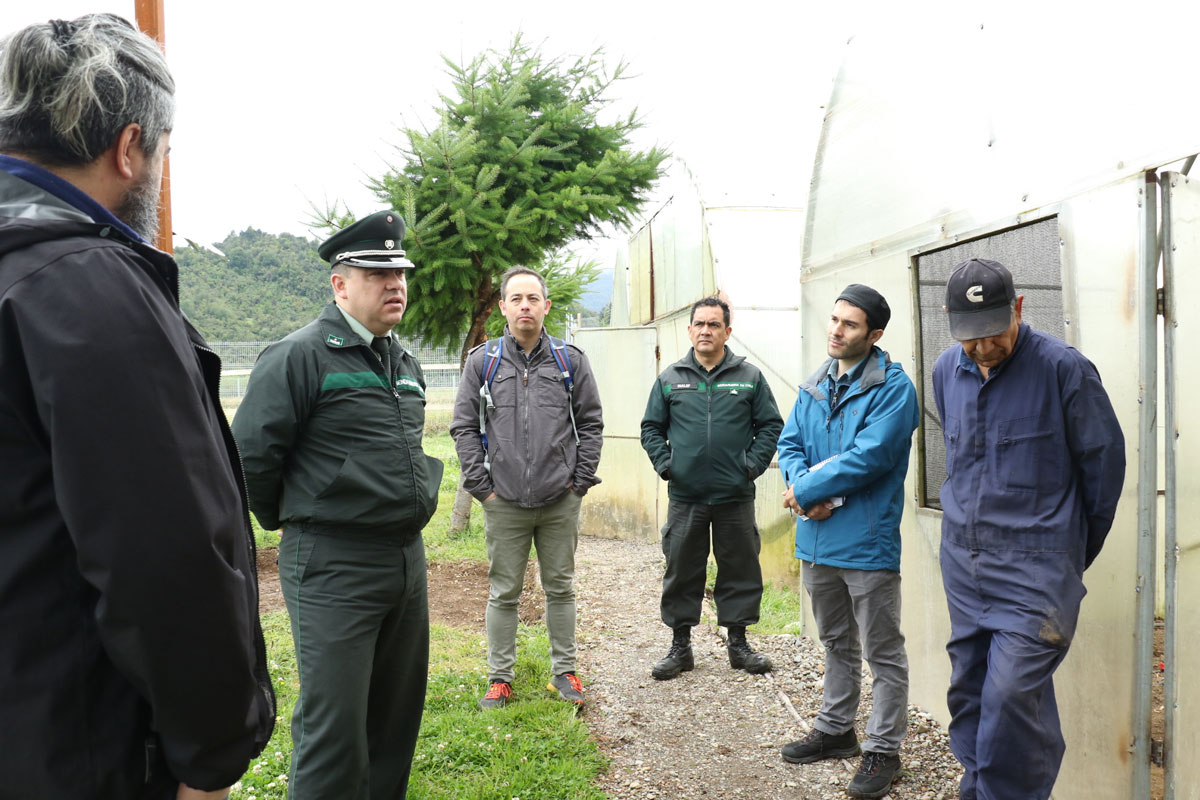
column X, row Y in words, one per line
column 497, row 695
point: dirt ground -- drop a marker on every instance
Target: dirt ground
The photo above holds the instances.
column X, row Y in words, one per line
column 270, row 598
column 711, row 733
column 637, row 743
column 458, row 591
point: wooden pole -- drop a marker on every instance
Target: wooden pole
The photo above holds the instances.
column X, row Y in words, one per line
column 151, row 20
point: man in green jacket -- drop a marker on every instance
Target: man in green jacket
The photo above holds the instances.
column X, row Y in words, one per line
column 330, row 433
column 710, row 429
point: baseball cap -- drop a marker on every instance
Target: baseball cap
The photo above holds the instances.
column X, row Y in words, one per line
column 979, row 299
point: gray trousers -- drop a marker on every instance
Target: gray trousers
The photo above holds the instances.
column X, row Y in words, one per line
column 554, row 531
column 360, row 622
column 858, row 613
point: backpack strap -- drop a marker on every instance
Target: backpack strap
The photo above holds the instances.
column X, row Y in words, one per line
column 487, row 373
column 562, row 357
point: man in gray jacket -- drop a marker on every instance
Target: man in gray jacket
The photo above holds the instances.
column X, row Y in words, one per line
column 527, row 428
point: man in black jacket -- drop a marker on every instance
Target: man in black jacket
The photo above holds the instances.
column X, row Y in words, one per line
column 131, row 660
column 710, row 429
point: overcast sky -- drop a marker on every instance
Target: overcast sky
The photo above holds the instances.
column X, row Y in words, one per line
column 283, row 104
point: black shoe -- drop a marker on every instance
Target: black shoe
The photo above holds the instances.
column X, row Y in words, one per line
column 679, row 657
column 818, row 745
column 743, row 656
column 875, row 775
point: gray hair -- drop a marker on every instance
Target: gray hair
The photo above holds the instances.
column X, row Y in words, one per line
column 68, row 89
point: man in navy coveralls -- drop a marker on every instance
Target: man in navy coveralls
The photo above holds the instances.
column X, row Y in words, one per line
column 1035, row 462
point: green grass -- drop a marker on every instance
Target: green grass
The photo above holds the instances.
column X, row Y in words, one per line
column 440, row 545
column 536, row 748
column 267, row 776
column 781, row 610
column 263, row 538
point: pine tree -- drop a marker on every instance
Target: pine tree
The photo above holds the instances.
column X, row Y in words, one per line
column 519, row 165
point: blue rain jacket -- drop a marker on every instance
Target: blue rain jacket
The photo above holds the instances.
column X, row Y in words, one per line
column 868, row 437
column 1036, row 460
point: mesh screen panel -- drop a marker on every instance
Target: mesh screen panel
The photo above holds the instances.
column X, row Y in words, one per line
column 1031, row 253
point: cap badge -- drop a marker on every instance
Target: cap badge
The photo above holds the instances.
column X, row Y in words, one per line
column 975, row 293
column 389, row 243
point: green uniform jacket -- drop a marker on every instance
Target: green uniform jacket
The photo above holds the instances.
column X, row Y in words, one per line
column 331, row 444
column 715, row 432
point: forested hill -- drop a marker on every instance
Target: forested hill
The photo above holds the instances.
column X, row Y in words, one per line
column 263, row 288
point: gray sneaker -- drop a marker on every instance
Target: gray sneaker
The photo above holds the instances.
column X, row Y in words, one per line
column 497, row 695
column 818, row 745
column 568, row 687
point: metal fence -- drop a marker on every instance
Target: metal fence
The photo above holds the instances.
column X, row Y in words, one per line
column 440, row 364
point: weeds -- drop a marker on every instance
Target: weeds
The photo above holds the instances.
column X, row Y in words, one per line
column 536, row 747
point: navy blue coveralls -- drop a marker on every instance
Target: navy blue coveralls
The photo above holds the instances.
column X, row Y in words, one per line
column 1035, row 461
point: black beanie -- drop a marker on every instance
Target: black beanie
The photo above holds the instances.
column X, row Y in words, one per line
column 871, row 302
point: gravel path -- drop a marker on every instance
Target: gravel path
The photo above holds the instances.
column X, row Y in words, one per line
column 712, row 733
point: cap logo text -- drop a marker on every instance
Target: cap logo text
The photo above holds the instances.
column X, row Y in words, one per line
column 975, row 293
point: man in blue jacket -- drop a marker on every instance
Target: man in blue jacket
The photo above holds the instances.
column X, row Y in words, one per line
column 844, row 454
column 1035, row 462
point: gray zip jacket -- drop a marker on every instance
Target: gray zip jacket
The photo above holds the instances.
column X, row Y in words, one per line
column 531, row 446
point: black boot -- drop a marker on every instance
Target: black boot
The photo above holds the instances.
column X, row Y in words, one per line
column 679, row 657
column 742, row 655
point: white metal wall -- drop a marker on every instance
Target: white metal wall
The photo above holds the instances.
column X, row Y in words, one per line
column 1185, row 666
column 1099, row 232
column 624, row 505
column 1099, row 243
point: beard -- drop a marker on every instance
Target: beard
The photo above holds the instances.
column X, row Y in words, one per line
column 139, row 206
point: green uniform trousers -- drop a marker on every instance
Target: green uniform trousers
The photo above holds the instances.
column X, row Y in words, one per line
column 735, row 544
column 360, row 620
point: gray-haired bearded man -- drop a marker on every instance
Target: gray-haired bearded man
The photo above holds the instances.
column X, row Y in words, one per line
column 131, row 660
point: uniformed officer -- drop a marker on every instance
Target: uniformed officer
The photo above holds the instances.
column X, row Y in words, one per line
column 330, row 433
